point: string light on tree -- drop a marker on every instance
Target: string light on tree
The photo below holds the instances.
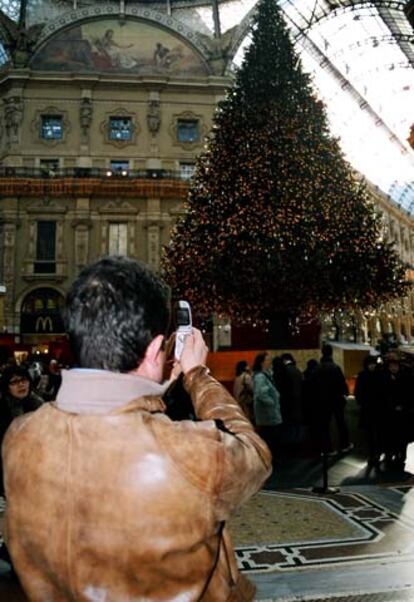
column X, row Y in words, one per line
column 276, row 220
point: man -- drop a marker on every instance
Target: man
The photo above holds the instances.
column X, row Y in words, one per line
column 108, row 499
column 54, row 380
column 330, row 389
column 395, row 398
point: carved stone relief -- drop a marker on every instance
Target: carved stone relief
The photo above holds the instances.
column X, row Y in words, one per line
column 85, row 117
column 13, row 117
column 117, row 207
column 154, row 116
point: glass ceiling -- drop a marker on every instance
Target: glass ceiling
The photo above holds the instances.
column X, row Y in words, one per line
column 11, row 8
column 361, row 57
column 362, row 64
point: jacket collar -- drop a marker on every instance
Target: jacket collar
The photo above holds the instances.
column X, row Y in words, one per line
column 104, row 392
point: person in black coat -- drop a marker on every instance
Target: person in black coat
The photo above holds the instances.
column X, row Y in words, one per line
column 396, row 390
column 368, row 397
column 291, row 399
column 330, row 390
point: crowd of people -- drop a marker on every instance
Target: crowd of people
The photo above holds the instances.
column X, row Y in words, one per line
column 113, row 457
column 289, row 408
column 292, row 410
column 384, row 392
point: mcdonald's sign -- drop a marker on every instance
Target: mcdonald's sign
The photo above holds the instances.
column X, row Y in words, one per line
column 41, row 312
column 41, row 323
column 44, row 324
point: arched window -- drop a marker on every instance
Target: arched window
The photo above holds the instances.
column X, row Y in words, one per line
column 41, row 312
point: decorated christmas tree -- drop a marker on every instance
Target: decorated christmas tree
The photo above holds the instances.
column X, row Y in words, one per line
column 276, row 220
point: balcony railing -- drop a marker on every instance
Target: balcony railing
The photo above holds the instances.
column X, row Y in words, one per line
column 91, row 172
column 84, row 182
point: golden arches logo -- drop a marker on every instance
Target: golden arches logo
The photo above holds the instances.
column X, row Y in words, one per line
column 44, row 324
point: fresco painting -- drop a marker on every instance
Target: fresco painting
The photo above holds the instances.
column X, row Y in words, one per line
column 106, row 45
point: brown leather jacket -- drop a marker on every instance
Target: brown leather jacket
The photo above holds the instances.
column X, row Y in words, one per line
column 109, row 500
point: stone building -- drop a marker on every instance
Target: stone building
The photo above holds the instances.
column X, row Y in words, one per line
column 104, row 107
column 397, row 318
column 96, row 163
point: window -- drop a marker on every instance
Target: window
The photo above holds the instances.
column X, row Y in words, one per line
column 51, row 127
column 188, row 130
column 120, row 128
column 118, row 239
column 45, row 248
column 11, row 8
column 187, row 170
column 49, row 167
column 3, row 55
column 41, row 312
column 120, row 167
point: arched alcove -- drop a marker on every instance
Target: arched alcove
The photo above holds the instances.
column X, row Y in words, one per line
column 41, row 312
column 139, row 45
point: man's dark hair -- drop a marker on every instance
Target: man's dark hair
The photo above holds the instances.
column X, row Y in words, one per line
column 114, row 309
column 288, row 357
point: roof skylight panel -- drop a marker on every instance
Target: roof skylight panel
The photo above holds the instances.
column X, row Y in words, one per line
column 11, row 8
column 232, row 13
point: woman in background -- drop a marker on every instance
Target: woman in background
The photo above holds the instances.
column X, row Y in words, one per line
column 266, row 402
column 243, row 389
column 17, row 398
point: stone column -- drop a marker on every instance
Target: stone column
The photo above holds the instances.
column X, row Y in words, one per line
column 153, row 225
column 9, row 246
column 153, row 246
column 81, row 225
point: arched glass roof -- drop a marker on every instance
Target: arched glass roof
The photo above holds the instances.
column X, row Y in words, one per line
column 361, row 57
column 11, row 8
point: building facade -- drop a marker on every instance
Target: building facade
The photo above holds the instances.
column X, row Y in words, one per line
column 103, row 111
column 394, row 320
column 100, row 129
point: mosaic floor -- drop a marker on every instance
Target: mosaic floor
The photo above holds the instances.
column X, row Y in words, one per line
column 288, row 531
column 356, row 546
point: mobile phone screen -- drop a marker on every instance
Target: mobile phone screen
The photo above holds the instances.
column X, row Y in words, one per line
column 183, row 317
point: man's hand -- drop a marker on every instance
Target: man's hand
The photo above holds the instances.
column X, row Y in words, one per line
column 194, row 352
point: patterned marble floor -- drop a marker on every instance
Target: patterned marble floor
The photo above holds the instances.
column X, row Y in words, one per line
column 292, row 530
column 356, row 546
column 352, row 545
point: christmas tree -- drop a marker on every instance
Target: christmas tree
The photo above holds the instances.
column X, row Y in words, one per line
column 276, row 220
